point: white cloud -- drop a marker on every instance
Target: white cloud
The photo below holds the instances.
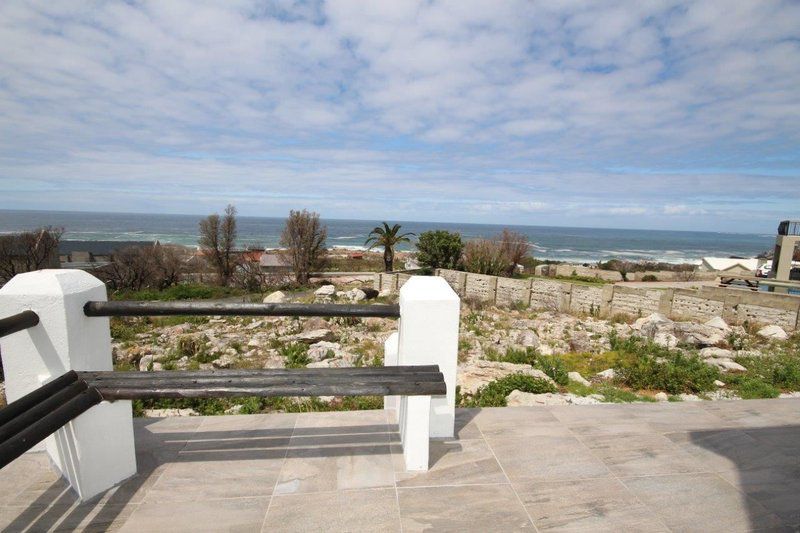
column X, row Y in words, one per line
column 410, row 104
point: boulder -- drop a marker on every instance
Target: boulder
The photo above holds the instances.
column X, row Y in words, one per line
column 526, row 339
column 369, row 293
column 773, row 332
column 326, row 290
column 718, row 323
column 323, row 350
column 689, row 398
column 277, row 297
column 353, row 295
column 652, row 324
column 576, row 377
column 718, row 383
column 158, row 413
column 527, row 399
column 726, row 365
column 580, row 342
column 661, row 397
column 146, row 363
column 314, row 336
column 607, row 375
column 667, row 340
column 315, row 323
column 476, row 375
column 224, row 361
column 698, row 334
column 716, row 353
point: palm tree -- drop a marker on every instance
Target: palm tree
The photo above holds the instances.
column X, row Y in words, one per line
column 388, row 238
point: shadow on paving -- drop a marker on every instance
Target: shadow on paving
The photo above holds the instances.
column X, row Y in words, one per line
column 57, row 508
column 763, row 463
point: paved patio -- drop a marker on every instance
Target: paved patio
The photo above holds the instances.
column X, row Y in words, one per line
column 709, row 466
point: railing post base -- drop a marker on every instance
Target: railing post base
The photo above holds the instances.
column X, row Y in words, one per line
column 95, row 451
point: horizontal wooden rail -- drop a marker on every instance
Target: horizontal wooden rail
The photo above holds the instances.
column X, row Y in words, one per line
column 134, row 308
column 18, row 322
column 380, row 381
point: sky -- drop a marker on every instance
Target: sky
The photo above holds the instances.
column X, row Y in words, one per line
column 663, row 114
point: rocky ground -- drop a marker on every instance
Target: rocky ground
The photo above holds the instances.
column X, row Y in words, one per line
column 494, row 343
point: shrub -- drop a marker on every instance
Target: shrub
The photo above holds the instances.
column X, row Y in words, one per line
column 554, row 367
column 296, row 355
column 519, row 356
column 649, row 277
column 483, row 256
column 751, row 388
column 494, row 394
column 439, row 249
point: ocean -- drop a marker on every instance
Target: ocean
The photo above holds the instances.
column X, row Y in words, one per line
column 560, row 243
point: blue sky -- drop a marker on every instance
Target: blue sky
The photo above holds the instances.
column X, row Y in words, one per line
column 662, row 114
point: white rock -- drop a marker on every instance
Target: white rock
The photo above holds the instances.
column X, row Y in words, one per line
column 159, row 413
column 698, row 334
column 576, row 377
column 384, row 293
column 326, row 290
column 667, row 340
column 726, row 365
column 527, row 399
column 718, row 323
column 716, row 353
column 690, row 398
column 225, row 361
column 719, row 383
column 794, row 394
column 234, row 410
column 474, row 376
column 607, row 374
column 320, row 350
column 527, row 339
column 354, row 295
column 662, row 397
column 146, row 363
column 314, row 336
column 773, row 332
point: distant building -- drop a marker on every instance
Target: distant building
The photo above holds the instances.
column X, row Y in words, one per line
column 83, row 254
column 274, row 263
column 729, row 266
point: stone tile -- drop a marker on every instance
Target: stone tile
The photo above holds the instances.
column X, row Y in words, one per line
column 193, row 480
column 30, row 471
column 497, row 423
column 586, row 505
column 643, row 455
column 730, row 449
column 453, row 463
column 238, row 514
column 700, row 502
column 466, row 427
column 358, row 510
column 470, row 508
column 776, row 488
column 240, row 437
column 547, row 459
column 756, row 413
column 673, row 417
column 84, row 517
column 336, row 468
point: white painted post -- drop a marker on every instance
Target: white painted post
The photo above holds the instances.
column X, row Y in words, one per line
column 95, row 451
column 429, row 314
column 414, row 421
column 391, row 403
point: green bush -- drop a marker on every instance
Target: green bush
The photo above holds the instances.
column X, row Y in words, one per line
column 296, row 355
column 519, row 356
column 649, row 277
column 751, row 388
column 439, row 249
column 185, row 291
column 494, row 394
column 645, row 365
column 554, row 367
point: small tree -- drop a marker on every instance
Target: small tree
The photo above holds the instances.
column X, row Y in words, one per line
column 388, row 238
column 485, row 256
column 218, row 240
column 515, row 247
column 304, row 238
column 29, row 250
column 135, row 268
column 439, row 249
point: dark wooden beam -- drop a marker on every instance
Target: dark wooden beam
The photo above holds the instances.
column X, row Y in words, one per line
column 133, row 308
column 18, row 322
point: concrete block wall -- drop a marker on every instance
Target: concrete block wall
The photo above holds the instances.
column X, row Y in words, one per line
column 735, row 306
column 636, row 302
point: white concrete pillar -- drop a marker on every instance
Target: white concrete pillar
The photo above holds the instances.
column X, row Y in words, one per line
column 95, row 451
column 414, row 418
column 390, row 348
column 429, row 315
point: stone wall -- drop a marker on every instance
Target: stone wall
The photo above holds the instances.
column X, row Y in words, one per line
column 734, row 305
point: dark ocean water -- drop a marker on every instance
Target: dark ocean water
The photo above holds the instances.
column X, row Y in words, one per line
column 567, row 244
